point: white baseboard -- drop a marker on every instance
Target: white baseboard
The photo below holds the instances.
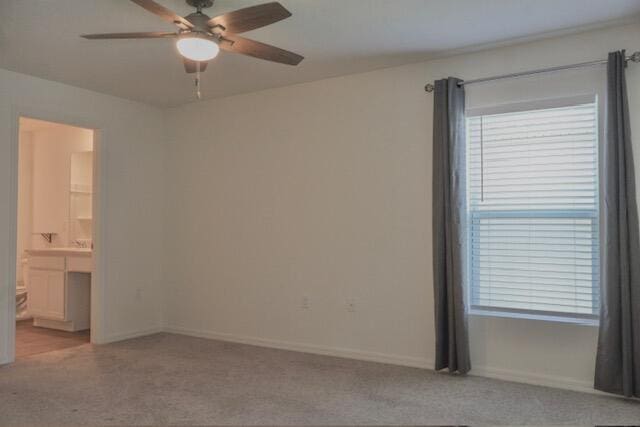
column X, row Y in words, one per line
column 415, row 362
column 131, row 334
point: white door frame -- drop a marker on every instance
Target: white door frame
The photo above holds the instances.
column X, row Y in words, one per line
column 98, row 278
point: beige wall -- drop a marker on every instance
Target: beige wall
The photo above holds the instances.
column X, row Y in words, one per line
column 323, row 191
column 133, row 196
column 44, row 161
column 52, row 149
column 43, row 184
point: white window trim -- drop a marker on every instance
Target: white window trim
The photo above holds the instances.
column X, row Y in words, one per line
column 535, row 104
column 515, row 107
column 529, row 315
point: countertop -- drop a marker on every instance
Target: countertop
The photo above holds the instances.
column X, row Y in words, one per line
column 60, row 252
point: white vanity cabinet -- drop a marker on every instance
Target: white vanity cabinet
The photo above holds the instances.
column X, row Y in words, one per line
column 47, row 294
column 59, row 288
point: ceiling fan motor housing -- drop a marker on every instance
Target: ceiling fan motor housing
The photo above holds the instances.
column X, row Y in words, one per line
column 199, row 21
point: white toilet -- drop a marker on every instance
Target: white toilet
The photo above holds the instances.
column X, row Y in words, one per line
column 21, row 293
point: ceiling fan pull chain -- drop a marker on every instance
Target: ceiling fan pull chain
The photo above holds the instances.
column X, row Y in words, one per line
column 198, row 93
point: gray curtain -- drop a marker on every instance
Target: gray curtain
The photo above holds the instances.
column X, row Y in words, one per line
column 449, row 237
column 618, row 356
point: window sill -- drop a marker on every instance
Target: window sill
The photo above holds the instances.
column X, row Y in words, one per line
column 536, row 317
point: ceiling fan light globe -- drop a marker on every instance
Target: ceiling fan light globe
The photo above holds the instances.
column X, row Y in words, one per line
column 198, row 49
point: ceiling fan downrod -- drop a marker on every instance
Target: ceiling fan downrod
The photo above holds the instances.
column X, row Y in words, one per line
column 200, row 4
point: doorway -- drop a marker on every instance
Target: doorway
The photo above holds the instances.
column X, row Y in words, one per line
column 55, row 231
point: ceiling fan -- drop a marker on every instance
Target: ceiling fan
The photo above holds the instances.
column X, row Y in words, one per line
column 200, row 38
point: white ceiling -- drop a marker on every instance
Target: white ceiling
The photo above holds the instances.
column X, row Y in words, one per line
column 40, row 37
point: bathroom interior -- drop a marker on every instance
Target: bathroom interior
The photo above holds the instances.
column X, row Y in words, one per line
column 54, row 236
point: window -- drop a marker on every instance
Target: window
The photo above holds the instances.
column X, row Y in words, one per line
column 533, row 211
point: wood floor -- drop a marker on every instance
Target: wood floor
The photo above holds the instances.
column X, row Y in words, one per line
column 31, row 340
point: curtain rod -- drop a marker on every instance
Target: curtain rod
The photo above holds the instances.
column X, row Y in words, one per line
column 634, row 58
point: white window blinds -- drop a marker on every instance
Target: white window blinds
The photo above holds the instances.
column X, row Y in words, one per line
column 533, row 211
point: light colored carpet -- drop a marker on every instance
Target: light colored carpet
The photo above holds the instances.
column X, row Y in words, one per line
column 173, row 379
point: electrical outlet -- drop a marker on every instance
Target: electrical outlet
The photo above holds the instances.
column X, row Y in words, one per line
column 351, row 305
column 138, row 294
column 305, row 303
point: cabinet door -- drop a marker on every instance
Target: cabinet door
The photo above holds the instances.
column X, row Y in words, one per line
column 37, row 293
column 46, row 294
column 56, row 297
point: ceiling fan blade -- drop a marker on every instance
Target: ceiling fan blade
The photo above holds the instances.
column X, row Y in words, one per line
column 192, row 66
column 237, row 44
column 147, row 35
column 164, row 13
column 250, row 18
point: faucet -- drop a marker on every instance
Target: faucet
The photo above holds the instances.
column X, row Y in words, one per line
column 81, row 243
